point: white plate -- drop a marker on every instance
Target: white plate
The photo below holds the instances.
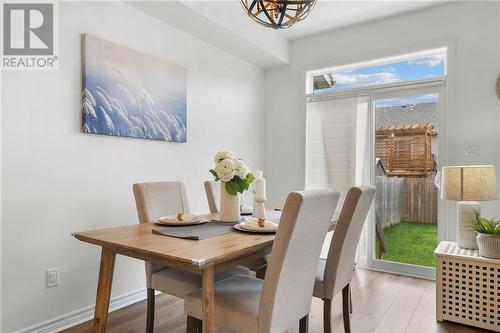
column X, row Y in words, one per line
column 179, row 224
column 172, row 222
column 241, row 227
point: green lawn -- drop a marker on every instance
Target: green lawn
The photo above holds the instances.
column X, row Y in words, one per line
column 411, row 243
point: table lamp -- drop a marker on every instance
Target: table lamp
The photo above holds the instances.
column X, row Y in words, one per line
column 468, row 185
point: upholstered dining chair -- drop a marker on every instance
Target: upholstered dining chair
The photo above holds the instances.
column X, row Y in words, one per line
column 334, row 274
column 154, row 200
column 212, row 190
column 247, row 304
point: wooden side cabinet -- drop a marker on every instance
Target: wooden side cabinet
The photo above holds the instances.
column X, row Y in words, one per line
column 467, row 287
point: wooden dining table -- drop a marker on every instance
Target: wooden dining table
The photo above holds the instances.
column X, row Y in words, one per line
column 206, row 257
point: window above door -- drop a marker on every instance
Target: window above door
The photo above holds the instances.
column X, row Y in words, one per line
column 404, row 68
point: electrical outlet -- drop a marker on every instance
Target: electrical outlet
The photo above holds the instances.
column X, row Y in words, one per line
column 472, row 149
column 52, row 277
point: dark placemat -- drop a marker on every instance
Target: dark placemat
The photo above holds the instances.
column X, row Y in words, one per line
column 207, row 230
column 196, row 232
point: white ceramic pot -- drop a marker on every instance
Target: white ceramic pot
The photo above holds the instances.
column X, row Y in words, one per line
column 489, row 245
column 229, row 205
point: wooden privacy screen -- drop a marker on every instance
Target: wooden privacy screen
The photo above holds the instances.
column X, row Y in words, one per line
column 406, row 151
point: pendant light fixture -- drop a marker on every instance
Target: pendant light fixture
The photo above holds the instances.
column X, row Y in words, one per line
column 278, row 14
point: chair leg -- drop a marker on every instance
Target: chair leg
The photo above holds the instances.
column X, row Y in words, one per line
column 345, row 309
column 260, row 273
column 304, row 325
column 150, row 319
column 350, row 300
column 198, row 325
column 327, row 315
column 190, row 326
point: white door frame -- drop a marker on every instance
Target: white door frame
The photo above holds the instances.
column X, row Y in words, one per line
column 392, row 92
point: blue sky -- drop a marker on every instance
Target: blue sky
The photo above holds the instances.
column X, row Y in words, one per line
column 409, row 100
column 406, row 70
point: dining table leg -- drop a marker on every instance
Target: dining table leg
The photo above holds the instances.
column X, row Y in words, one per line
column 207, row 289
column 103, row 290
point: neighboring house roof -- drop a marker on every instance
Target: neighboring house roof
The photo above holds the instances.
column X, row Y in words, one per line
column 407, row 114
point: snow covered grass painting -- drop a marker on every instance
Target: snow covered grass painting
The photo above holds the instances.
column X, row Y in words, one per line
column 127, row 93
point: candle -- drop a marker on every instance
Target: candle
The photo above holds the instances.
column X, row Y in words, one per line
column 260, row 187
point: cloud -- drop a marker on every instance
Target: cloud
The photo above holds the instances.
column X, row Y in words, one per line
column 384, row 68
column 431, row 61
column 353, row 79
column 408, row 101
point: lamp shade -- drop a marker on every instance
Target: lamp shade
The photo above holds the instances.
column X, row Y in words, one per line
column 469, row 183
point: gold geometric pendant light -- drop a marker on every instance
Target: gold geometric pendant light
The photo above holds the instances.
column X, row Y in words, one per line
column 278, row 14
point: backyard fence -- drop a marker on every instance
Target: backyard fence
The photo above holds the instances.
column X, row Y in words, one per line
column 421, row 200
column 408, row 199
column 388, row 200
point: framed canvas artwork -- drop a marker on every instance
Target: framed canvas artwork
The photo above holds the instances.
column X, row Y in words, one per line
column 128, row 93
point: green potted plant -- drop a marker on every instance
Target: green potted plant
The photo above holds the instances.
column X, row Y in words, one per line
column 488, row 236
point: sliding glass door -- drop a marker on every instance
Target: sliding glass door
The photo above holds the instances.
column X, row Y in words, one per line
column 390, row 138
column 408, row 129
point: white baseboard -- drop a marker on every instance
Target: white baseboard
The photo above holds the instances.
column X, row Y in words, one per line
column 74, row 318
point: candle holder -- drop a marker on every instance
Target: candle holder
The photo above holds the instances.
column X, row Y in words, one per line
column 259, row 207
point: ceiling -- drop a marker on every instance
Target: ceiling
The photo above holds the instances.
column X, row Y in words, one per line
column 225, row 24
column 329, row 14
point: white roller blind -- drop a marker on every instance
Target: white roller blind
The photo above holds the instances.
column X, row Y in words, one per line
column 337, row 155
column 333, row 150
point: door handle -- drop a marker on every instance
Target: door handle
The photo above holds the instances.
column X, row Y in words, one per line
column 437, row 180
column 497, row 86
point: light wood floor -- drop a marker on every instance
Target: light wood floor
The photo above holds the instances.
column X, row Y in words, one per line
column 383, row 303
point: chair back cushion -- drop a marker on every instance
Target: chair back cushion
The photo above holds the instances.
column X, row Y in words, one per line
column 288, row 284
column 342, row 252
column 154, row 200
column 212, row 189
column 157, row 199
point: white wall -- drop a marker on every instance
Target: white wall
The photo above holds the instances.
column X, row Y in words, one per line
column 473, row 109
column 215, row 22
column 56, row 180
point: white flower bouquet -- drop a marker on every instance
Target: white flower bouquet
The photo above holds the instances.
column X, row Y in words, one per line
column 232, row 171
